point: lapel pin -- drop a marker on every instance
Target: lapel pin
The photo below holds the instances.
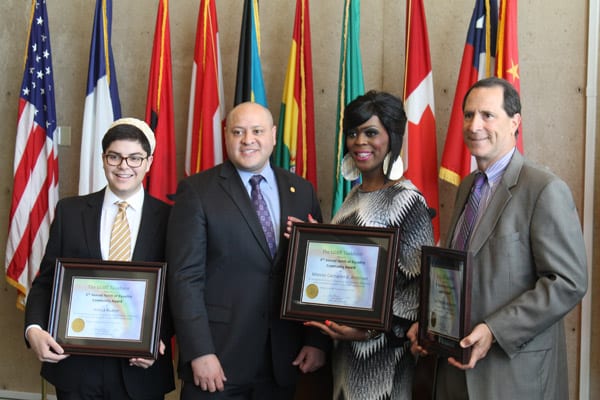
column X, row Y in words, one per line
column 292, row 189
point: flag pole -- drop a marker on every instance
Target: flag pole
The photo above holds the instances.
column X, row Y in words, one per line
column 585, row 325
column 44, row 390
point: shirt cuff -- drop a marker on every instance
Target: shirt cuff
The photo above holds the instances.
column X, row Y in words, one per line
column 30, row 327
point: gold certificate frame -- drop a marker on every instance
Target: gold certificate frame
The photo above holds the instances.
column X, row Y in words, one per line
column 341, row 273
column 444, row 315
column 107, row 308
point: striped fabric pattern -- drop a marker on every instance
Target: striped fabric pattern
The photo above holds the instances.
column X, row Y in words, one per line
column 120, row 236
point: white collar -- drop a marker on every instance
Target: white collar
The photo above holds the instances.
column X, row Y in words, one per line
column 135, row 201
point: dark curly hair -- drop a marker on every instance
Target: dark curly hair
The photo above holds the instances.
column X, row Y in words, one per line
column 125, row 132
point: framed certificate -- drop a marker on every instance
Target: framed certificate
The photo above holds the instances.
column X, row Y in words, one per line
column 107, row 308
column 341, row 273
column 444, row 315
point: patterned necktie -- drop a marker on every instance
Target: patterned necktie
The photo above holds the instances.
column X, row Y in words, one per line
column 470, row 213
column 120, row 236
column 262, row 211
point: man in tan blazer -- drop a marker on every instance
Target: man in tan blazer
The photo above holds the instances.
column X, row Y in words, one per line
column 529, row 266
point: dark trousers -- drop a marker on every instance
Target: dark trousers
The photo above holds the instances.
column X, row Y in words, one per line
column 450, row 383
column 100, row 381
column 264, row 386
column 255, row 391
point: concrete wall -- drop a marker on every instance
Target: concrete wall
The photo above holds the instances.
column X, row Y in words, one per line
column 552, row 37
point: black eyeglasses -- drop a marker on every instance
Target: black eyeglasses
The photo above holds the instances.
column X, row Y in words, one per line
column 115, row 160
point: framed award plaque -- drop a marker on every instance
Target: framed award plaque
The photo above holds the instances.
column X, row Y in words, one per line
column 341, row 273
column 444, row 315
column 107, row 308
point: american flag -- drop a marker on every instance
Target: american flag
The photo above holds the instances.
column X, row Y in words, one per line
column 35, row 190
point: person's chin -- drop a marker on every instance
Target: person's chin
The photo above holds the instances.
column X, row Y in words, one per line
column 249, row 165
column 122, row 189
column 479, row 148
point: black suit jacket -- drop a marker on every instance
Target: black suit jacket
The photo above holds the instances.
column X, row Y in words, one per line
column 75, row 233
column 225, row 288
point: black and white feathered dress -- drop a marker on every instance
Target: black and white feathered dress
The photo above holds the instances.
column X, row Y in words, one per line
column 382, row 368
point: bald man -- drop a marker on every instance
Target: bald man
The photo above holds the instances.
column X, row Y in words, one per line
column 226, row 272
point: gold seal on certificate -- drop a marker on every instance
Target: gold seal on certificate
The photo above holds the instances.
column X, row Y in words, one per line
column 78, row 324
column 433, row 319
column 312, row 290
column 107, row 308
column 342, row 273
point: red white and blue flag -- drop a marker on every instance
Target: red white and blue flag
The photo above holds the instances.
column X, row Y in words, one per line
column 35, row 188
column 102, row 105
column 477, row 63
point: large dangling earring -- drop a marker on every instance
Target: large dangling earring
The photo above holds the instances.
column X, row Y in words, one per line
column 350, row 171
column 397, row 167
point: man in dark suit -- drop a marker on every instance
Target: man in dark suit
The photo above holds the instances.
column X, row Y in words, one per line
column 529, row 263
column 225, row 280
column 82, row 229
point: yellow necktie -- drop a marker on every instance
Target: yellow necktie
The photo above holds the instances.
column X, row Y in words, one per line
column 120, row 236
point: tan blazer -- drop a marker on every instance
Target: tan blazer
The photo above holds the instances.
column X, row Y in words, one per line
column 529, row 270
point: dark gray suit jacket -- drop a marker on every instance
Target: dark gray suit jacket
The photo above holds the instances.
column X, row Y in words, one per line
column 529, row 270
column 225, row 289
column 75, row 233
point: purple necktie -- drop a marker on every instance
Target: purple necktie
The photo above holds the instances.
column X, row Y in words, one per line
column 470, row 213
column 262, row 211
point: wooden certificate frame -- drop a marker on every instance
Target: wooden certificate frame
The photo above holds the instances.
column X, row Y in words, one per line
column 445, row 311
column 107, row 308
column 341, row 273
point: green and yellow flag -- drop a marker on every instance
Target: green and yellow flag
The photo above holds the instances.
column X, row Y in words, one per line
column 351, row 85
